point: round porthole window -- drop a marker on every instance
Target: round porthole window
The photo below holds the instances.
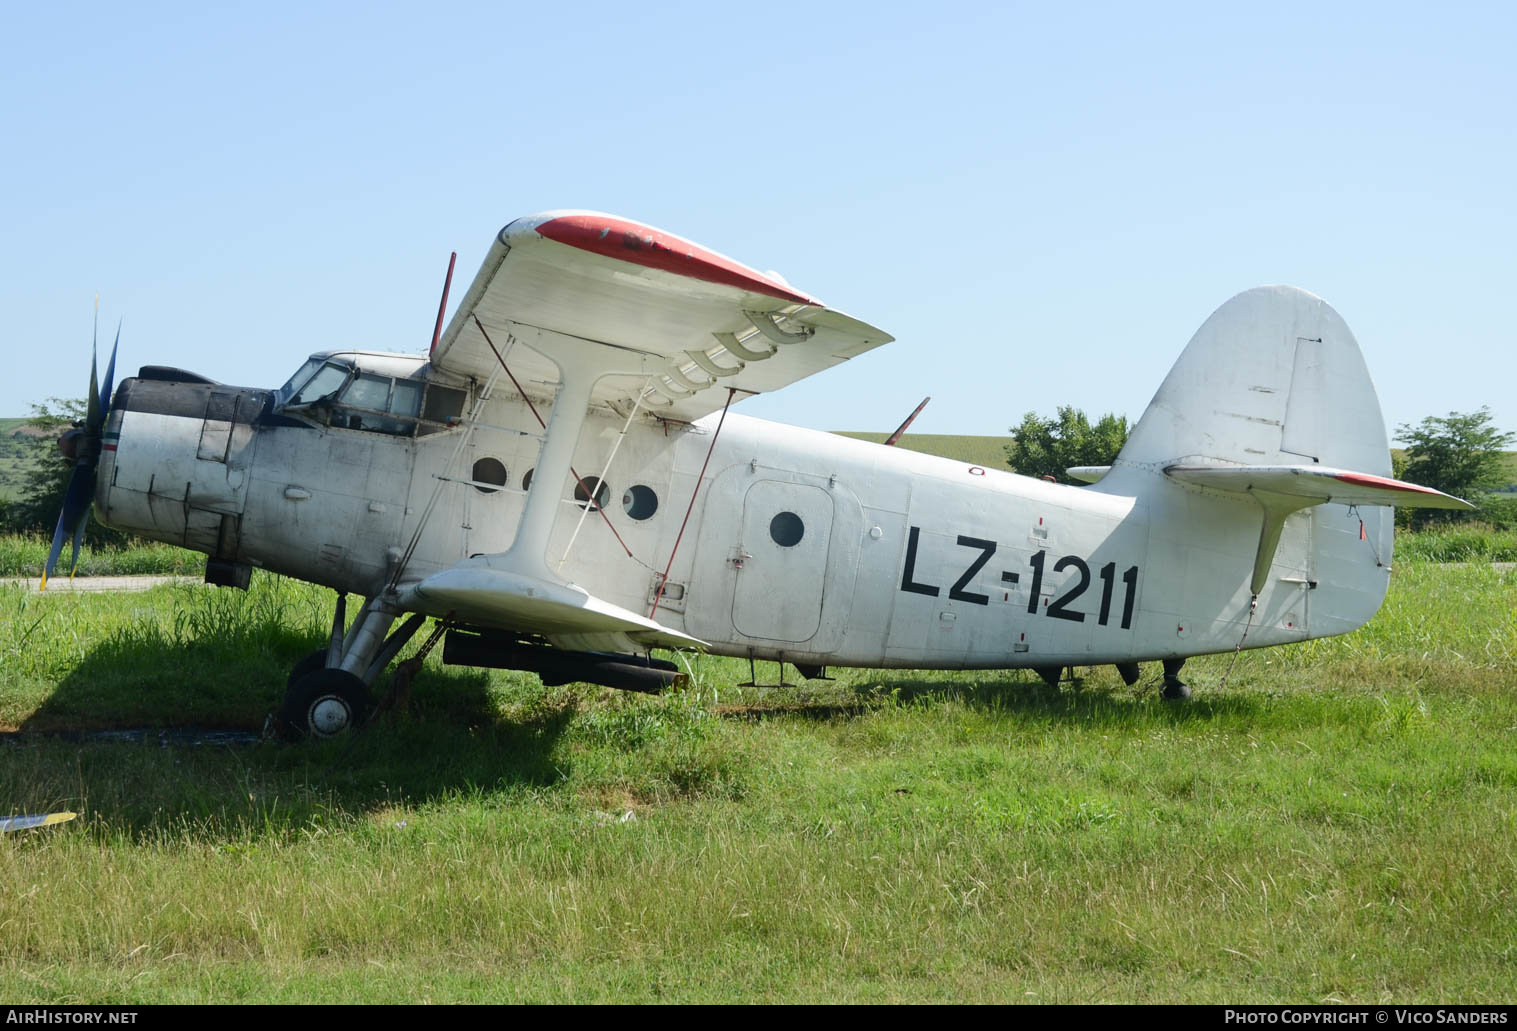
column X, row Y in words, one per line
column 488, row 470
column 591, row 486
column 640, row 502
column 526, row 481
column 786, row 529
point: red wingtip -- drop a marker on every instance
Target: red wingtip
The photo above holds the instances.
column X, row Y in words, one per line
column 643, row 245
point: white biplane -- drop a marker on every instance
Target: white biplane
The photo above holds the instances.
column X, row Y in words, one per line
column 560, row 481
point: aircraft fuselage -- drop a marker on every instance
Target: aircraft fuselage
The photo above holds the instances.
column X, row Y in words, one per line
column 800, row 544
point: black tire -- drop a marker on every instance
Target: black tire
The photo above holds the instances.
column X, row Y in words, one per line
column 308, row 664
column 325, row 703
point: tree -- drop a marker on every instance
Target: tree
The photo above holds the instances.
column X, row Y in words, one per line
column 1047, row 447
column 45, row 474
column 1460, row 454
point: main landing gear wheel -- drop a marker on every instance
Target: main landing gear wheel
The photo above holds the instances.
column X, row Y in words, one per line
column 325, row 703
column 308, row 664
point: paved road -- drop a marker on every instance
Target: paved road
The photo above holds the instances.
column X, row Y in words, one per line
column 97, row 583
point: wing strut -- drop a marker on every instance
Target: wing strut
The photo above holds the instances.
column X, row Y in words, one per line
column 426, row 513
column 533, row 408
column 664, row 580
column 600, row 481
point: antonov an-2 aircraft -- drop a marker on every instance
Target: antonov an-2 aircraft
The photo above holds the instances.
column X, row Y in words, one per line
column 562, row 483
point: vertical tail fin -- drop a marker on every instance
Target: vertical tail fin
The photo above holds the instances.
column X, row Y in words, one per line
column 1270, row 405
column 1274, row 377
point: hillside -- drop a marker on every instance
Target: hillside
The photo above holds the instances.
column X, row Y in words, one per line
column 14, row 441
column 987, row 451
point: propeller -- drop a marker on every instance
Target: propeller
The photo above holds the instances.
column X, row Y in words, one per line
column 81, row 446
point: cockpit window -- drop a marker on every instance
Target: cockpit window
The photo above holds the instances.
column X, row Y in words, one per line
column 357, row 398
column 282, row 397
column 325, row 382
column 368, row 391
column 407, row 398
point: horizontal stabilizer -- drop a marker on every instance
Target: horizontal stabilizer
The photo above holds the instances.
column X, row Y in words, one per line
column 1087, row 473
column 1315, row 482
column 526, row 604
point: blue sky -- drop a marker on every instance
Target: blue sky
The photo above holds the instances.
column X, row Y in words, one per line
column 1040, row 202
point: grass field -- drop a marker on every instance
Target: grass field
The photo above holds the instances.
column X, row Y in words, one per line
column 1338, row 822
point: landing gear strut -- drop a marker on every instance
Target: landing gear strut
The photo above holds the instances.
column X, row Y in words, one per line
column 1174, row 689
column 328, row 692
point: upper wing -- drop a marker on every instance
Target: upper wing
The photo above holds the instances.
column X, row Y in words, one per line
column 708, row 321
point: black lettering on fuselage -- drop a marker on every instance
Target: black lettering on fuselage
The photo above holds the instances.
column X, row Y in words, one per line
column 987, row 549
column 907, row 583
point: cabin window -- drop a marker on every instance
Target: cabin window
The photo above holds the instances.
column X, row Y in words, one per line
column 640, row 502
column 786, row 529
column 592, row 486
column 488, row 470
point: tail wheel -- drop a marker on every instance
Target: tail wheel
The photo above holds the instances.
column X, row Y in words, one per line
column 325, row 704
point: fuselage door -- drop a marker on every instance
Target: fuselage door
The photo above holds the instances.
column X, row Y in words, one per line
column 781, row 561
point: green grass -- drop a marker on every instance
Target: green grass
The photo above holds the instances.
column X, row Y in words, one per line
column 1458, row 543
column 24, row 555
column 1338, row 822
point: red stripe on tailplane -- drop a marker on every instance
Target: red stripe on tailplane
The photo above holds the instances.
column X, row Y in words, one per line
column 643, row 245
column 1369, row 480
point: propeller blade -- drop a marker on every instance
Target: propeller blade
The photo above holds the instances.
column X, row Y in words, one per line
column 92, row 412
column 110, row 377
column 52, row 555
column 21, row 823
column 83, row 448
column 76, row 511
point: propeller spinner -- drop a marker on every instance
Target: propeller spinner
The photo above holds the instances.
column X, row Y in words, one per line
column 81, row 446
